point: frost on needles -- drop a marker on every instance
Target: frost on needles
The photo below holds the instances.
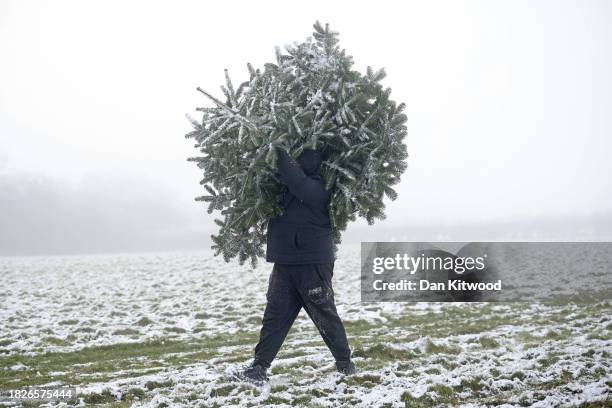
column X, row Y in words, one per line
column 309, row 98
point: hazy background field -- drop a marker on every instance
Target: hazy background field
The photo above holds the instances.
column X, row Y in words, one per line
column 508, row 115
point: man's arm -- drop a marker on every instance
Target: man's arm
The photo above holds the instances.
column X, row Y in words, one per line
column 300, row 185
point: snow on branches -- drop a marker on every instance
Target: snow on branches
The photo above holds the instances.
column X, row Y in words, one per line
column 309, row 98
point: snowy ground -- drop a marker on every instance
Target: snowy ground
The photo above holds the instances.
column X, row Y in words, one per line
column 166, row 329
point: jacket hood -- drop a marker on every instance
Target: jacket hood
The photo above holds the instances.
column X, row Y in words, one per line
column 310, row 161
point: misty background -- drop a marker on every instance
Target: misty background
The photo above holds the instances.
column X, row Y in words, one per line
column 508, row 104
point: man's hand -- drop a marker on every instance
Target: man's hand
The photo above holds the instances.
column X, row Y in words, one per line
column 306, row 189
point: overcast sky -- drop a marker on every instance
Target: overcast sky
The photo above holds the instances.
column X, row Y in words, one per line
column 508, row 110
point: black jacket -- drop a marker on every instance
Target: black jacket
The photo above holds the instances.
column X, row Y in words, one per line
column 302, row 235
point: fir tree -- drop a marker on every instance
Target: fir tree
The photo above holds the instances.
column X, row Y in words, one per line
column 309, row 98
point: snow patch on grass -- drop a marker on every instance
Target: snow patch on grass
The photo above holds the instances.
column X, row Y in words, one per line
column 169, row 329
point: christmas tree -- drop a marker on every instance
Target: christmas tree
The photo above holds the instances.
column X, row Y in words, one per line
column 309, row 98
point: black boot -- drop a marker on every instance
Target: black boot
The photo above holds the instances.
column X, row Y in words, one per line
column 255, row 373
column 346, row 367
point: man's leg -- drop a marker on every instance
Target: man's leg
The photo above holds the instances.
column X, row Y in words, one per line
column 315, row 288
column 282, row 308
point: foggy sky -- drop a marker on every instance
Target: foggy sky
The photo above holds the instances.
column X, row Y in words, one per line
column 508, row 114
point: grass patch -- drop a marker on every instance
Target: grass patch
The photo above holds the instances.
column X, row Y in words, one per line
column 100, row 360
column 68, row 322
column 599, row 336
column 99, row 398
column 279, row 388
column 474, row 384
column 556, row 334
column 433, row 348
column 444, row 394
column 175, row 330
column 85, row 329
column 424, row 401
column 488, row 342
column 527, row 337
column 548, row 360
column 446, row 363
column 589, row 353
column 125, row 332
column 152, row 385
column 364, row 380
column 133, row 394
column 222, row 391
column 144, row 321
column 55, row 341
column 565, row 377
column 274, row 400
column 301, row 400
column 383, row 352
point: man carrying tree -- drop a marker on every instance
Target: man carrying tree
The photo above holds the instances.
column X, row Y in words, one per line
column 300, row 244
column 308, row 97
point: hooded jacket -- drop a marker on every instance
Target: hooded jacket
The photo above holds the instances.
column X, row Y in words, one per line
column 303, row 234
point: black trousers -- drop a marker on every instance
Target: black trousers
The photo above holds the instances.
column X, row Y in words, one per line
column 290, row 288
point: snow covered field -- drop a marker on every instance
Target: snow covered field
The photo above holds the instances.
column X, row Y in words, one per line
column 166, row 329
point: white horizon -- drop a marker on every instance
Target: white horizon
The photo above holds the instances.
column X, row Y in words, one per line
column 507, row 103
